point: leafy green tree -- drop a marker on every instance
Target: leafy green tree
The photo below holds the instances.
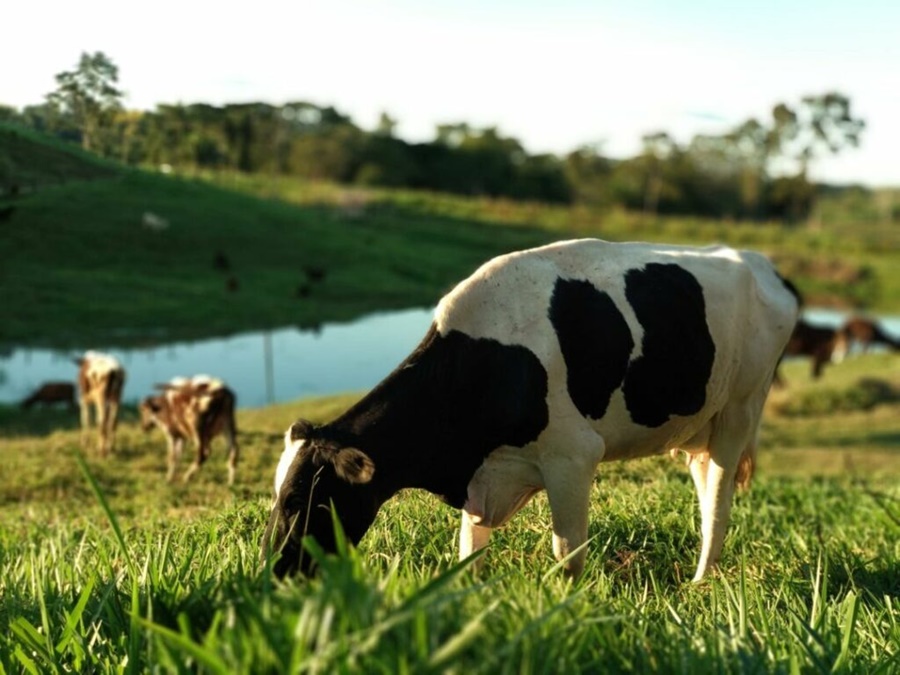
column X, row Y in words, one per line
column 88, row 95
column 588, row 172
column 658, row 147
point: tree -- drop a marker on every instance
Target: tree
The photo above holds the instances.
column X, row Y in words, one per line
column 658, row 148
column 820, row 124
column 88, row 95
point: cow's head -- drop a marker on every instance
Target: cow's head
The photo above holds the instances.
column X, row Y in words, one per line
column 314, row 474
column 149, row 408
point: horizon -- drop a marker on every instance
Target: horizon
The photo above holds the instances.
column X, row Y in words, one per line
column 533, row 72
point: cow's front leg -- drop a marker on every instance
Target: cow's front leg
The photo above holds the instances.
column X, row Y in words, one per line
column 568, row 490
column 472, row 537
column 174, row 454
column 202, row 454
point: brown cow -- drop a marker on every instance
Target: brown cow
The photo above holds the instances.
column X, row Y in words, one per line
column 51, row 392
column 867, row 332
column 100, row 381
column 198, row 408
column 822, row 344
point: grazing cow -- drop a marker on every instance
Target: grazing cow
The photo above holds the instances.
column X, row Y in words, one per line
column 100, row 381
column 823, row 345
column 49, row 393
column 199, row 408
column 538, row 367
column 867, row 332
column 221, row 262
column 154, row 223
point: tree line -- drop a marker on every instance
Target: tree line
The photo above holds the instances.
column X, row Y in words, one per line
column 757, row 171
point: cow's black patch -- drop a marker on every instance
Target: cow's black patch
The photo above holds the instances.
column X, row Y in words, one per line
column 431, row 423
column 670, row 376
column 595, row 340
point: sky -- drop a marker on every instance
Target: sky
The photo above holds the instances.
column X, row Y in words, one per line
column 556, row 74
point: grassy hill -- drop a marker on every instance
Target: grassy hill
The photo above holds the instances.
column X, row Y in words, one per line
column 78, row 268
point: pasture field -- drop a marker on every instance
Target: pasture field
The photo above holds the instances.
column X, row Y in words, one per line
column 105, row 568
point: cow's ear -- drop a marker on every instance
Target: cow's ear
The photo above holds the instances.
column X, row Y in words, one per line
column 300, row 430
column 354, row 466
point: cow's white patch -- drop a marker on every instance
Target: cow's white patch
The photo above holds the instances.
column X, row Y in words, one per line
column 100, row 364
column 291, row 448
column 211, row 383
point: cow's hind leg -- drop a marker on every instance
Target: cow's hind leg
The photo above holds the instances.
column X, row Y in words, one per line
column 734, row 435
column 202, row 454
column 103, row 426
column 85, row 420
column 112, row 422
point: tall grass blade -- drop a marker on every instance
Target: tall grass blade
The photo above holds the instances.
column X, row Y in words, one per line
column 110, row 516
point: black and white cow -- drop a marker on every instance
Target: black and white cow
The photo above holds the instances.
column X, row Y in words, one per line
column 538, row 367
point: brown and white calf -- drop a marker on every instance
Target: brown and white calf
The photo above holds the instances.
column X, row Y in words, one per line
column 538, row 367
column 101, row 379
column 822, row 344
column 199, row 408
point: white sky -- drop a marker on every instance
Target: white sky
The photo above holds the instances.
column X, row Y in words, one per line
column 555, row 74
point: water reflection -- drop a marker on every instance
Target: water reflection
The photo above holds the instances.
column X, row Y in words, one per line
column 280, row 365
column 262, row 367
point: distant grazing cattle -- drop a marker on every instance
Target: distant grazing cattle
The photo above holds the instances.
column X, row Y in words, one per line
column 823, row 345
column 153, row 222
column 538, row 367
column 199, row 408
column 315, row 274
column 221, row 262
column 50, row 393
column 100, row 381
column 867, row 332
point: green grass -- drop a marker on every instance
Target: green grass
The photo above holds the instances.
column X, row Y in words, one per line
column 106, row 568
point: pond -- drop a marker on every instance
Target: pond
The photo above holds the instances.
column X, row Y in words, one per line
column 272, row 366
column 262, row 367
